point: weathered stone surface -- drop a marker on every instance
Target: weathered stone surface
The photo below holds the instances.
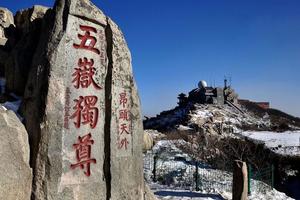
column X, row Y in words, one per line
column 148, row 141
column 24, row 18
column 149, row 194
column 126, row 164
column 15, row 173
column 26, row 36
column 6, row 19
column 53, row 106
column 155, row 135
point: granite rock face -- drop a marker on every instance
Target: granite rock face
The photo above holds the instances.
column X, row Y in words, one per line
column 148, row 141
column 82, row 110
column 6, row 19
column 15, row 173
column 126, row 184
column 149, row 194
column 25, row 18
column 23, row 42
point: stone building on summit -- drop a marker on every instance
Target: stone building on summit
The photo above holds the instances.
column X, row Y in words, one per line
column 205, row 94
column 210, row 95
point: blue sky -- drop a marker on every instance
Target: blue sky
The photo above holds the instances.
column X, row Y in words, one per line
column 174, row 44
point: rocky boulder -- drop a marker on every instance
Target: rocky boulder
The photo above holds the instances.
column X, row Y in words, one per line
column 24, row 40
column 6, row 19
column 149, row 194
column 15, row 173
column 148, row 141
column 155, row 135
column 25, row 18
column 94, row 152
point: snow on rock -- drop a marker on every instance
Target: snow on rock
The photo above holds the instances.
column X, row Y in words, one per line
column 230, row 119
column 285, row 143
column 183, row 128
column 14, row 105
column 199, row 113
column 210, row 117
column 155, row 134
column 168, row 119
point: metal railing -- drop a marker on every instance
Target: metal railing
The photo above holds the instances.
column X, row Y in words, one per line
column 187, row 175
column 195, row 176
column 261, row 179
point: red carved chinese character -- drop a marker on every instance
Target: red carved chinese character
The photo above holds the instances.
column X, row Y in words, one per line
column 87, row 41
column 83, row 154
column 124, row 129
column 123, row 114
column 123, row 144
column 83, row 76
column 123, row 99
column 85, row 111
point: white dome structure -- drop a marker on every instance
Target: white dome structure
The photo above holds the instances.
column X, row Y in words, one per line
column 202, row 84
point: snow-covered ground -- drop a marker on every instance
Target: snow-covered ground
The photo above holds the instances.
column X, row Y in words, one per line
column 175, row 174
column 285, row 143
column 177, row 169
column 167, row 194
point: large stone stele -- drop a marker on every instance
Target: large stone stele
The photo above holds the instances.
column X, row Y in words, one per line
column 110, row 164
column 15, row 173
